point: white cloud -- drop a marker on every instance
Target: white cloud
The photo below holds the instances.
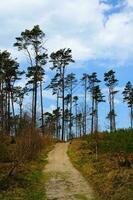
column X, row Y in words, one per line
column 78, row 24
column 116, row 38
column 129, row 3
column 80, row 50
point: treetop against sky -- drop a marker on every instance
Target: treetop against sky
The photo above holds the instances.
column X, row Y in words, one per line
column 99, row 32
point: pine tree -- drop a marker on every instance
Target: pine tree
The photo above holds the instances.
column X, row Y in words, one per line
column 31, row 42
column 85, row 85
column 67, row 102
column 19, row 95
column 10, row 73
column 111, row 82
column 70, row 82
column 61, row 59
column 98, row 98
column 128, row 98
column 93, row 82
column 55, row 85
column 75, row 100
column 79, row 123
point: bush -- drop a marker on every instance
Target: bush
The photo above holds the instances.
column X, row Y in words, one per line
column 24, row 148
column 122, row 140
column 5, row 142
column 4, row 153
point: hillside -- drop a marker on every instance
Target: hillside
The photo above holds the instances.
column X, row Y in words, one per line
column 111, row 174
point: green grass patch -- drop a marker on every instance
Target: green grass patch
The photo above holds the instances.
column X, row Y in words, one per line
column 26, row 185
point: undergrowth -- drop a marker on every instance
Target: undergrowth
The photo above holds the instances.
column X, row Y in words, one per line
column 111, row 174
column 27, row 182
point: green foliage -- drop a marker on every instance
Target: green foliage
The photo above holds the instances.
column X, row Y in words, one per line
column 122, row 140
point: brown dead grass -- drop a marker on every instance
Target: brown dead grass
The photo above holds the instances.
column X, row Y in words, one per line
column 109, row 180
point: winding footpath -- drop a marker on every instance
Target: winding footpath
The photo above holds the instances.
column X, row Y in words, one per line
column 64, row 182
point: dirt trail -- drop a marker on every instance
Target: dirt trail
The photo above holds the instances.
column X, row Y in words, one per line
column 63, row 181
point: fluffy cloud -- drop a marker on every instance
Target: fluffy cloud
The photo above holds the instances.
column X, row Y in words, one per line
column 79, row 24
column 80, row 50
column 129, row 2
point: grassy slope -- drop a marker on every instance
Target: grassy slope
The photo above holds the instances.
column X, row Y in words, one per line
column 28, row 183
column 107, row 175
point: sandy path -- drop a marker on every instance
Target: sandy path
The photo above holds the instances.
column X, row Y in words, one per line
column 64, row 182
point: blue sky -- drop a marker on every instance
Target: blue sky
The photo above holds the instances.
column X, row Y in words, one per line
column 99, row 32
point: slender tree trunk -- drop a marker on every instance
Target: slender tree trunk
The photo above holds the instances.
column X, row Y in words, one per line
column 57, row 117
column 80, row 125
column 8, row 110
column 110, row 113
column 71, row 109
column 76, row 112
column 96, row 128
column 96, row 115
column 20, row 114
column 113, row 108
column 85, row 105
column 35, row 103
column 1, row 106
column 131, row 116
column 63, row 105
column 36, row 79
column 41, row 97
column 20, row 111
column 13, row 111
column 68, row 130
column 92, row 117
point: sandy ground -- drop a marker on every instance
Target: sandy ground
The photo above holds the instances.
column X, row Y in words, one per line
column 63, row 181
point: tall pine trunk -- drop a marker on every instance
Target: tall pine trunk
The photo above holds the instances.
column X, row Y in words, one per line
column 42, row 116
column 35, row 103
column 96, row 116
column 92, row 116
column 57, row 119
column 113, row 108
column 85, row 106
column 1, row 107
column 131, row 116
column 76, row 112
column 110, row 113
column 71, row 110
column 8, row 109
column 20, row 111
column 13, row 111
column 63, row 104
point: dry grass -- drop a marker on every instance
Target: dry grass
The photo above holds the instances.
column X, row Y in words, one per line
column 26, row 154
column 110, row 180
